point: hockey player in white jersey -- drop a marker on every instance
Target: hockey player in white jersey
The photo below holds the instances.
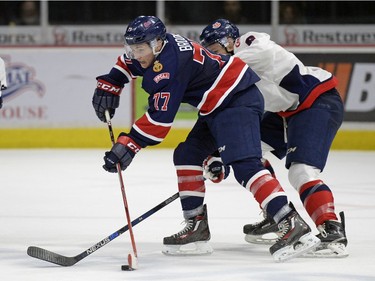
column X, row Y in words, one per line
column 303, row 113
column 3, row 81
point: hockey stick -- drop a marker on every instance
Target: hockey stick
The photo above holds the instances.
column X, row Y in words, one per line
column 43, row 254
column 132, row 258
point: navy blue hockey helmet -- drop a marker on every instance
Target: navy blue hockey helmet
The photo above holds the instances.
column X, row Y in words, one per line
column 144, row 29
column 217, row 32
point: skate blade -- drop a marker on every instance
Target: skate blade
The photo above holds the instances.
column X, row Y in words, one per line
column 331, row 250
column 266, row 239
column 306, row 243
column 191, row 249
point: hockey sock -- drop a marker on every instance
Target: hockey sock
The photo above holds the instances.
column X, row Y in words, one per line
column 270, row 195
column 191, row 189
column 318, row 201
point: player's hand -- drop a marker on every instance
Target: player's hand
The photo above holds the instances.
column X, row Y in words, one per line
column 106, row 97
column 122, row 152
column 214, row 169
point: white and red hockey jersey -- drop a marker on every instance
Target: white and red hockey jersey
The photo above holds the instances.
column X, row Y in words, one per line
column 288, row 86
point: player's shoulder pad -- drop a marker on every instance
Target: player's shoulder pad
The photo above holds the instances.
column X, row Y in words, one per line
column 250, row 39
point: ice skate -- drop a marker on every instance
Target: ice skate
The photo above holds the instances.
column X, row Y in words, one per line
column 192, row 240
column 264, row 232
column 296, row 238
column 333, row 240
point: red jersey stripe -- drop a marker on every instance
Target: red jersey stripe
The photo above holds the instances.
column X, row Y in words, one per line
column 315, row 93
column 151, row 129
column 123, row 67
column 224, row 84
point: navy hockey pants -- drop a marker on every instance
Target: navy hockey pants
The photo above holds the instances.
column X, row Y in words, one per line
column 235, row 131
column 310, row 132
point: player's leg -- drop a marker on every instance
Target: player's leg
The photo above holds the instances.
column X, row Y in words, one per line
column 273, row 136
column 239, row 146
column 188, row 158
column 310, row 135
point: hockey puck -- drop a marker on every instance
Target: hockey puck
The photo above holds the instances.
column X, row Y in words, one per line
column 126, row 268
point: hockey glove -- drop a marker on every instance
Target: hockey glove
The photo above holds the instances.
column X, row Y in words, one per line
column 214, row 169
column 122, row 152
column 106, row 96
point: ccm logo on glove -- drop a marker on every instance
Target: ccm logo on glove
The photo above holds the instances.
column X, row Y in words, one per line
column 125, row 140
column 108, row 87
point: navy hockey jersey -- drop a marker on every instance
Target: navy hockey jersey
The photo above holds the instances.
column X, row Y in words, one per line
column 184, row 72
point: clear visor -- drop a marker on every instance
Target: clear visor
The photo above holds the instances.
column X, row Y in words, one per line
column 136, row 51
column 223, row 42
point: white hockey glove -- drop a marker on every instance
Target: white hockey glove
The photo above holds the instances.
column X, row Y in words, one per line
column 214, row 169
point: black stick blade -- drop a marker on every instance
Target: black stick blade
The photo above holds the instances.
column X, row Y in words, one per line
column 49, row 256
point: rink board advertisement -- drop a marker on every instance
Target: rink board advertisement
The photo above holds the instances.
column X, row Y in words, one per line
column 53, row 87
column 48, row 100
column 356, row 81
column 319, row 35
column 86, row 35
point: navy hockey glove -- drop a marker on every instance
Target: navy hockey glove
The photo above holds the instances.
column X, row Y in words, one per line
column 106, row 96
column 122, row 152
column 214, row 169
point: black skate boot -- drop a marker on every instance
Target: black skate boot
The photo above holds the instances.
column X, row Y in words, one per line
column 296, row 238
column 192, row 240
column 264, row 232
column 333, row 240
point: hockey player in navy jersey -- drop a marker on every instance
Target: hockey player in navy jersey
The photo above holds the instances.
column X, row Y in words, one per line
column 303, row 113
column 176, row 70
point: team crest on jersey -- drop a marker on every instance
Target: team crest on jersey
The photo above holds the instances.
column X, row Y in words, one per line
column 161, row 76
column 157, row 66
column 216, row 25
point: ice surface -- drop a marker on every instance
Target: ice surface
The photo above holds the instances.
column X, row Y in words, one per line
column 62, row 200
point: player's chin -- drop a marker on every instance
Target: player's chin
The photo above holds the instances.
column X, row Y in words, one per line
column 144, row 64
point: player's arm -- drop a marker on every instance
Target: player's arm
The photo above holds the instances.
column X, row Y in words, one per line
column 150, row 129
column 108, row 88
column 163, row 104
column 256, row 50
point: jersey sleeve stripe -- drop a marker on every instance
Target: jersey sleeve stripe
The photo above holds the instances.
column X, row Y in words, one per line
column 147, row 115
column 123, row 68
column 151, row 129
column 144, row 134
column 224, row 84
